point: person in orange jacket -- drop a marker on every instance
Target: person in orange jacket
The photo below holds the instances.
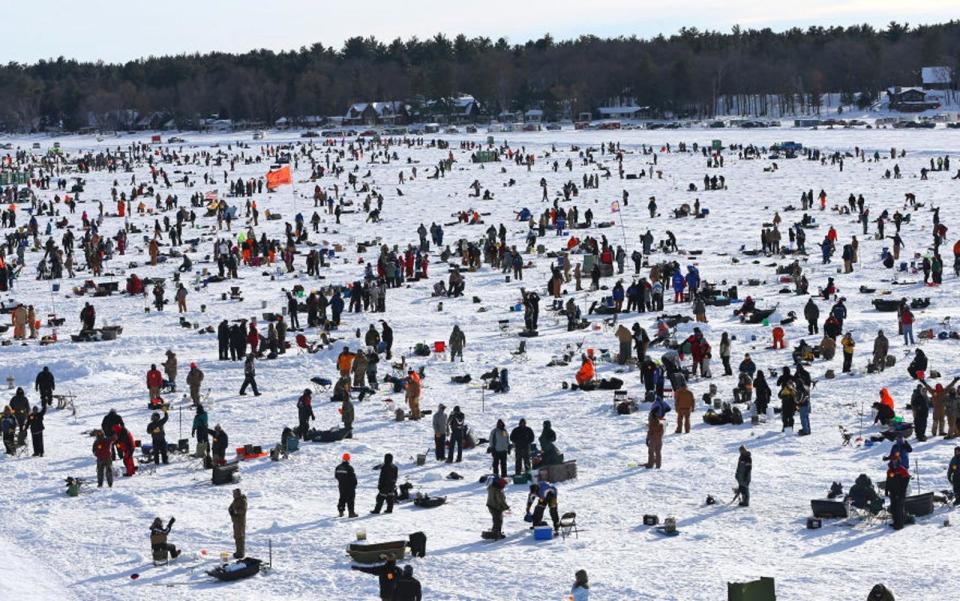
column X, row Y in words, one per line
column 345, row 361
column 413, row 388
column 586, row 373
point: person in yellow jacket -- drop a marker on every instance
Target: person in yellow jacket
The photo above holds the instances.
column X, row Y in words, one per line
column 848, row 344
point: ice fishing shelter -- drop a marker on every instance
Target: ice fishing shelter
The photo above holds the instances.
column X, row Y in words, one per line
column 485, row 156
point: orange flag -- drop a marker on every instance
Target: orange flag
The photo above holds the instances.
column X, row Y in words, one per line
column 277, row 178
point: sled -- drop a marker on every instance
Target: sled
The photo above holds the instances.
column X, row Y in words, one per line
column 663, row 531
column 377, row 552
column 428, row 502
column 919, row 505
column 823, row 508
column 331, row 435
column 238, row 570
column 885, row 305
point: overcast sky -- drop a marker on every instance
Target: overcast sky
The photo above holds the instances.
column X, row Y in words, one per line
column 116, row 31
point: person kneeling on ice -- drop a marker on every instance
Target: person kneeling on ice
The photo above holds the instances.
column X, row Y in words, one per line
column 545, row 495
column 497, row 504
column 388, row 575
column 158, row 537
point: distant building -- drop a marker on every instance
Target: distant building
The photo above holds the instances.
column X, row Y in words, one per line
column 623, row 112
column 909, row 100
column 533, row 116
column 936, row 78
column 391, row 112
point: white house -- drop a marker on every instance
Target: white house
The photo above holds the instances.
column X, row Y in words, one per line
column 936, row 78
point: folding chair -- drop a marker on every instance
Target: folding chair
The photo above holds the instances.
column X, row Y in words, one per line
column 320, row 385
column 440, row 348
column 568, row 524
column 305, row 347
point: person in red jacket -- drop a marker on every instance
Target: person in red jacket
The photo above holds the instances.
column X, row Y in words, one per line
column 154, row 382
column 103, row 453
column 126, row 444
column 253, row 338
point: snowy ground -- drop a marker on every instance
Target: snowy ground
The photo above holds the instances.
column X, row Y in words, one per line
column 88, row 547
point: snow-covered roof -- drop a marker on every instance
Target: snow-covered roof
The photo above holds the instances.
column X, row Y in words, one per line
column 895, row 90
column 534, row 113
column 380, row 108
column 935, row 75
column 620, row 110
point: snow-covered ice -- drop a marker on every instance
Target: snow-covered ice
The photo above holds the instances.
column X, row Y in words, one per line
column 57, row 547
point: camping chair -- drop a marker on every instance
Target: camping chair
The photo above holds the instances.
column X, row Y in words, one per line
column 568, row 524
column 873, row 513
column 305, row 347
column 320, row 385
column 440, row 348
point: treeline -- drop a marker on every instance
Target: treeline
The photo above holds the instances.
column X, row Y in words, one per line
column 683, row 74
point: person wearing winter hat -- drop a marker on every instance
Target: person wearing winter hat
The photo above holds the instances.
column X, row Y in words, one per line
column 194, row 380
column 408, row 587
column 497, row 504
column 388, row 575
column 347, row 484
column 386, row 484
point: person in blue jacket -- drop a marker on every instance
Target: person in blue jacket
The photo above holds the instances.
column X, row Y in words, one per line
column 678, row 285
column 545, row 495
column 902, row 447
column 336, row 306
column 618, row 296
column 659, row 407
column 693, row 279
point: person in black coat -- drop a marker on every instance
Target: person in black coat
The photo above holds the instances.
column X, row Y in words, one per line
column 111, row 419
column 21, row 410
column 45, row 385
column 812, row 314
column 898, row 479
column 761, row 391
column 387, row 338
column 35, row 422
column 521, row 437
column 388, row 575
column 744, row 471
column 408, row 587
column 305, row 412
column 953, row 475
column 223, row 340
column 238, row 343
column 158, row 436
column 457, row 425
column 219, row 447
column 293, row 310
column 347, row 483
column 386, row 484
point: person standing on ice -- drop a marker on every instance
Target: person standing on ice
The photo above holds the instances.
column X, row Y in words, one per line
column 238, row 515
column 744, row 470
column 497, row 505
column 347, row 486
column 386, row 484
column 249, row 376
